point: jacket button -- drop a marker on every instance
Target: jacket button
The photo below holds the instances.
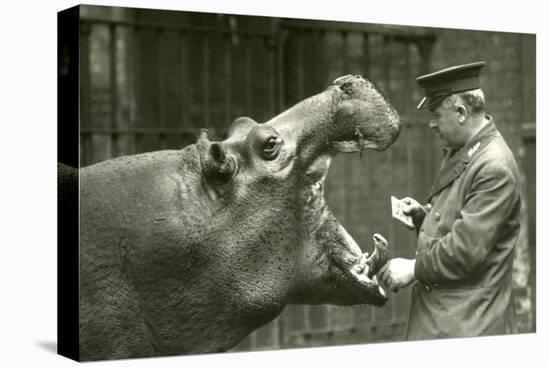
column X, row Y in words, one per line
column 437, row 216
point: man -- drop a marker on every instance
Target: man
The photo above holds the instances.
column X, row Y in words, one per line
column 467, row 232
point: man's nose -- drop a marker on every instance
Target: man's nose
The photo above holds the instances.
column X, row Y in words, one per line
column 432, row 123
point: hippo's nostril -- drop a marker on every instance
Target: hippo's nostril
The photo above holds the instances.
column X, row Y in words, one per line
column 217, row 152
column 217, row 164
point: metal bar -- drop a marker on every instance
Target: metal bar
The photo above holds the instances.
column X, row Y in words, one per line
column 280, row 71
column 386, row 63
column 160, row 78
column 85, row 87
column 272, row 80
column 425, row 47
column 138, row 87
column 247, row 78
column 184, row 88
column 408, row 79
column 300, row 64
column 345, row 51
column 174, row 27
column 113, row 88
column 307, row 318
column 130, row 38
column 228, row 80
column 320, row 60
column 366, row 55
column 206, row 80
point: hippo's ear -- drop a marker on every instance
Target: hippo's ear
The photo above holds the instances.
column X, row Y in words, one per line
column 241, row 127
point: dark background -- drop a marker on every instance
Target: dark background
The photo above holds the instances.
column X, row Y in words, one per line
column 150, row 79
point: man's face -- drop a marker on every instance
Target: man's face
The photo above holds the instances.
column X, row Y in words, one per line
column 445, row 123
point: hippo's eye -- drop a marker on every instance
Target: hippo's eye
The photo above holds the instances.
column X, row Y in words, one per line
column 271, row 147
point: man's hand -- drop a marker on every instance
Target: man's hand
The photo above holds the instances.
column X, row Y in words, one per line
column 397, row 273
column 411, row 207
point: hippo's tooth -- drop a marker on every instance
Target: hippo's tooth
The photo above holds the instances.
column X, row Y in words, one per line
column 362, row 276
column 361, row 266
column 380, row 289
column 352, row 245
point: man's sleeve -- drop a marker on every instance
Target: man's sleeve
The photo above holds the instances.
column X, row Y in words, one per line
column 487, row 206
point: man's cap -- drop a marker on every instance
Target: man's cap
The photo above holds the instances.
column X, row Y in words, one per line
column 443, row 83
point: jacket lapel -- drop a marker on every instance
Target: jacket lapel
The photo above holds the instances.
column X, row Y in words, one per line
column 453, row 165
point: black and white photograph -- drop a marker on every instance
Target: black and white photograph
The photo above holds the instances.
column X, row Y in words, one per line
column 310, row 187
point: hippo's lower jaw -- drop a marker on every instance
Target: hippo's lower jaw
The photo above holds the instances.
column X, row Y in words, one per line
column 364, row 287
column 356, row 270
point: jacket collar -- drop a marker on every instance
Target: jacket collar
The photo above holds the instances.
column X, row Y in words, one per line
column 455, row 162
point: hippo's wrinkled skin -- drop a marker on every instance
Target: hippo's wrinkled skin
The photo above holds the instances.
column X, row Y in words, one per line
column 189, row 251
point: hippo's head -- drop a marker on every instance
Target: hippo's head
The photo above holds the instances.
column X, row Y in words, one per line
column 268, row 180
column 217, row 238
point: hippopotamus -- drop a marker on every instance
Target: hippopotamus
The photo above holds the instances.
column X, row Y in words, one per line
column 189, row 251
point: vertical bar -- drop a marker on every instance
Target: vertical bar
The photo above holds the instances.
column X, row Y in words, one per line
column 281, row 38
column 247, row 72
column 138, row 87
column 425, row 49
column 386, row 61
column 206, row 79
column 320, row 60
column 270, row 42
column 184, row 87
column 366, row 55
column 130, row 65
column 408, row 79
column 228, row 80
column 307, row 321
column 85, row 115
column 300, row 35
column 160, row 68
column 345, row 52
column 113, row 90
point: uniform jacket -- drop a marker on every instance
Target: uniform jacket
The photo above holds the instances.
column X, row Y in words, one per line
column 466, row 244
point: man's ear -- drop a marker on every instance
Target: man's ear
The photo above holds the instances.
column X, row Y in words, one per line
column 462, row 113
